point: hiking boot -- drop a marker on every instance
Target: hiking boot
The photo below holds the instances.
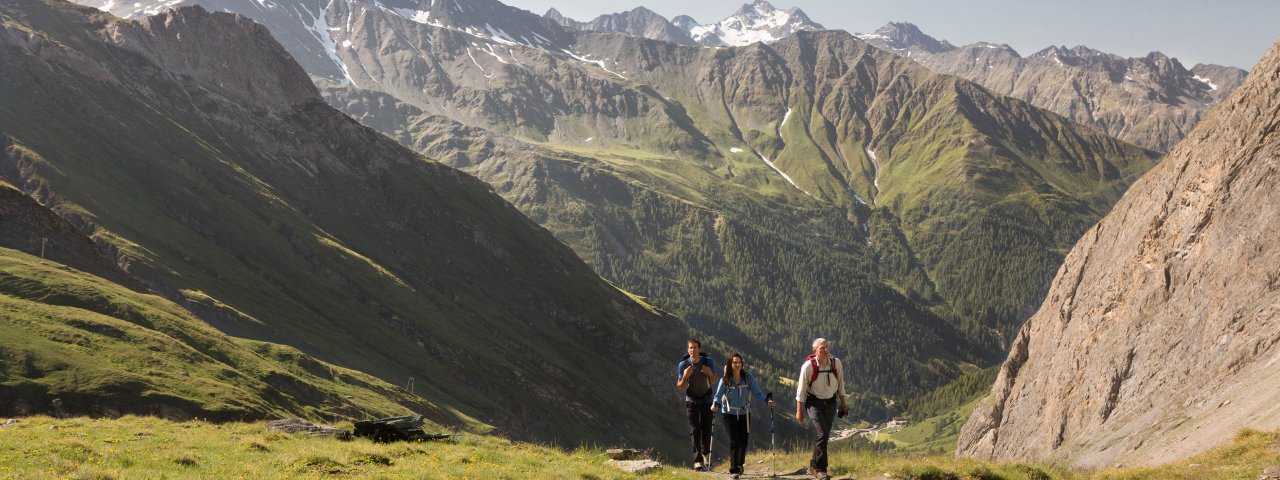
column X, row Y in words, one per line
column 813, row 472
column 697, row 465
column 735, row 476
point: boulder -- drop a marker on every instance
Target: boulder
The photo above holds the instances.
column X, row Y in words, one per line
column 638, row 467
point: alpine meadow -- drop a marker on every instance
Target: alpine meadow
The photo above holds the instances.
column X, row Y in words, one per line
column 501, row 227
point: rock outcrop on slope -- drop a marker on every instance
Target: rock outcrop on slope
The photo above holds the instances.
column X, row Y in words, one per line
column 1158, row 339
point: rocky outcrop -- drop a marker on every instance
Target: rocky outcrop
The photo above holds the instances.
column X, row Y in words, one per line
column 1158, row 338
column 1150, row 101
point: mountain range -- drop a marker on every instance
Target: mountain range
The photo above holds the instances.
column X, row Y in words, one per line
column 755, row 22
column 200, row 160
column 1152, row 101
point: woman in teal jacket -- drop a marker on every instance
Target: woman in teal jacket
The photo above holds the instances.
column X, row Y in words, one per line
column 733, row 397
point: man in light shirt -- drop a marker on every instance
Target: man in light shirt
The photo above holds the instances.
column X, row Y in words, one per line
column 821, row 388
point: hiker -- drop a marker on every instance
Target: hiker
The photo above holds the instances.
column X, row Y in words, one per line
column 821, row 385
column 695, row 375
column 733, row 398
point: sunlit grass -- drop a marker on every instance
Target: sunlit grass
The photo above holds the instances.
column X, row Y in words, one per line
column 150, row 448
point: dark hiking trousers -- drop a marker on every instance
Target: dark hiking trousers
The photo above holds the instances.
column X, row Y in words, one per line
column 700, row 420
column 822, row 413
column 738, row 432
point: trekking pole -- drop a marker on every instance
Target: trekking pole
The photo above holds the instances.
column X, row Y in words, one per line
column 773, row 469
column 711, row 448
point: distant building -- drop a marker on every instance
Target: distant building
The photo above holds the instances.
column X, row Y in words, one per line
column 898, row 421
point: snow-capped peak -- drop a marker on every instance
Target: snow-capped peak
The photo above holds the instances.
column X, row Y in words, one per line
column 755, row 22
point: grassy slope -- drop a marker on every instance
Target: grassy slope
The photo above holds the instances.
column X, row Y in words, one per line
column 102, row 348
column 140, row 447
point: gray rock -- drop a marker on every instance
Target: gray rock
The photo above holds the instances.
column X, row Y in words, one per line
column 638, row 467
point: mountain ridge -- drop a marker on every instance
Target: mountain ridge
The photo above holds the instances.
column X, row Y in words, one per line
column 1151, row 101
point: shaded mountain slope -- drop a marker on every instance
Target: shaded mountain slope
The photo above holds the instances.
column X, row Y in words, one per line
column 193, row 150
column 1158, row 338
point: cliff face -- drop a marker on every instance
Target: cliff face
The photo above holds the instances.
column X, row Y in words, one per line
column 1158, row 338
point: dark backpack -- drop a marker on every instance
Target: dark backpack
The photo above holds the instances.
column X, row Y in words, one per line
column 690, row 390
column 813, row 359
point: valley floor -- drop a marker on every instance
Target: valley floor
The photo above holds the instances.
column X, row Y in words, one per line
column 146, row 448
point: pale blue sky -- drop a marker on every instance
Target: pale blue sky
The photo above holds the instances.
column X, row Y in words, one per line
column 1225, row 32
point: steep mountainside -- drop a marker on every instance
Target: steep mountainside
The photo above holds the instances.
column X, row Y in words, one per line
column 99, row 348
column 1151, row 101
column 193, row 150
column 769, row 193
column 1158, row 339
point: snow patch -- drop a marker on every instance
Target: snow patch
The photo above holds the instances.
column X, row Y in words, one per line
column 1206, row 82
column 785, row 117
column 495, row 55
column 784, row 174
column 473, row 60
column 417, row 16
column 735, row 150
column 600, row 63
column 500, row 36
column 319, row 28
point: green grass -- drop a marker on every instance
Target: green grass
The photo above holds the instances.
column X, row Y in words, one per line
column 935, row 434
column 150, row 448
column 99, row 347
